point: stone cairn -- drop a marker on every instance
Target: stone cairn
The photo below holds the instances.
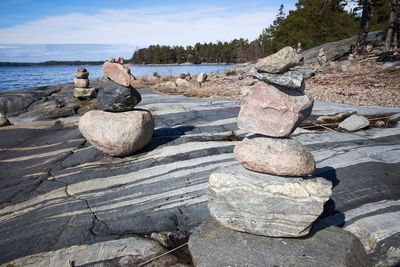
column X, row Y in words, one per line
column 117, row 128
column 82, row 88
column 271, row 192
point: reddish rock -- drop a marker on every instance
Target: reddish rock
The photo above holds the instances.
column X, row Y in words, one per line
column 81, row 83
column 117, row 73
column 273, row 111
column 276, row 156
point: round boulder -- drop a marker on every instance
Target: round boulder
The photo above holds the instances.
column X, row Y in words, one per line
column 117, row 134
column 277, row 156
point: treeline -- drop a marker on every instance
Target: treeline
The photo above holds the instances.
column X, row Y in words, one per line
column 238, row 50
column 50, row 63
column 311, row 23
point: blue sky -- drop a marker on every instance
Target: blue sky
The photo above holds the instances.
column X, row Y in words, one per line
column 38, row 30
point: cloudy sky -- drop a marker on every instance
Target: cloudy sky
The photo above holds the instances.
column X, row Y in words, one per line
column 33, row 30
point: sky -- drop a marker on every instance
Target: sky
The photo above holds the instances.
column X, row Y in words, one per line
column 40, row 30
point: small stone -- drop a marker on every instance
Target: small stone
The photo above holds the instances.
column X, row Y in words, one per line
column 334, row 118
column 230, row 72
column 273, row 112
column 152, row 79
column 82, row 74
column 277, row 156
column 120, row 60
column 182, row 75
column 117, row 73
column 214, row 245
column 263, row 204
column 188, row 77
column 202, row 77
column 3, row 120
column 354, row 123
column 168, row 86
column 82, row 83
column 280, row 62
column 182, row 82
column 321, row 57
column 116, row 98
column 84, row 93
column 291, row 79
column 117, row 134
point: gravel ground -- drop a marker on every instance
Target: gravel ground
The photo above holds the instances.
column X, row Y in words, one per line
column 361, row 84
column 368, row 83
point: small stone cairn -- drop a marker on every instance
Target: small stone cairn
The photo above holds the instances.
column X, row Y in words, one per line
column 117, row 128
column 82, row 88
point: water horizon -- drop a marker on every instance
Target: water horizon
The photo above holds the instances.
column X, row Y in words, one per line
column 25, row 77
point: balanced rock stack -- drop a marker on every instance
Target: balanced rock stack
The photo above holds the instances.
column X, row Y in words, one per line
column 272, row 192
column 117, row 128
column 81, row 85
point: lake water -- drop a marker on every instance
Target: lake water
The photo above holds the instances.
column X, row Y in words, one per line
column 13, row 78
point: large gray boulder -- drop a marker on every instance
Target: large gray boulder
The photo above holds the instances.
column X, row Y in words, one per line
column 291, row 79
column 116, row 98
column 280, row 62
column 213, row 245
column 117, row 134
column 277, row 156
column 336, row 50
column 264, row 204
column 273, row 111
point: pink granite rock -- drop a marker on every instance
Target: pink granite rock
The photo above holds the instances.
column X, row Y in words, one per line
column 117, row 73
column 276, row 156
column 273, row 111
column 81, row 83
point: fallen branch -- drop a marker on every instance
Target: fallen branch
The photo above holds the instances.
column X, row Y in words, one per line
column 161, row 255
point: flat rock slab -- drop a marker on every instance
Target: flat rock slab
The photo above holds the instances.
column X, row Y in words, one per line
column 264, row 204
column 58, row 191
column 291, row 79
column 213, row 245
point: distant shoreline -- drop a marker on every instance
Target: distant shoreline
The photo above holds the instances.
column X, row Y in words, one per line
column 97, row 63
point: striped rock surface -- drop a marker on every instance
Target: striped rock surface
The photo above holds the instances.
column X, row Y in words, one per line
column 57, row 191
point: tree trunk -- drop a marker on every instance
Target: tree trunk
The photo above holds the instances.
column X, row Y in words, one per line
column 393, row 29
column 364, row 25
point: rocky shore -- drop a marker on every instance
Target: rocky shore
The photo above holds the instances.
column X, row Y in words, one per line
column 64, row 202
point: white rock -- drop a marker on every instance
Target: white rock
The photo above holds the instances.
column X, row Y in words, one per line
column 181, row 82
column 354, row 123
column 202, row 77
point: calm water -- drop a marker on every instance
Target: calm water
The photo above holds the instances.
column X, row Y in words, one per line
column 12, row 78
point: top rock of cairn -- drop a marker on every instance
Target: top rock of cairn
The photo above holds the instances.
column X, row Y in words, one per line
column 114, row 70
column 281, row 61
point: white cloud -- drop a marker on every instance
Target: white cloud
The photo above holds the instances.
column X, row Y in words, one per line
column 184, row 25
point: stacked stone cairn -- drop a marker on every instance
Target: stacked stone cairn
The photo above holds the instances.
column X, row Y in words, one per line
column 117, row 128
column 271, row 193
column 82, row 89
